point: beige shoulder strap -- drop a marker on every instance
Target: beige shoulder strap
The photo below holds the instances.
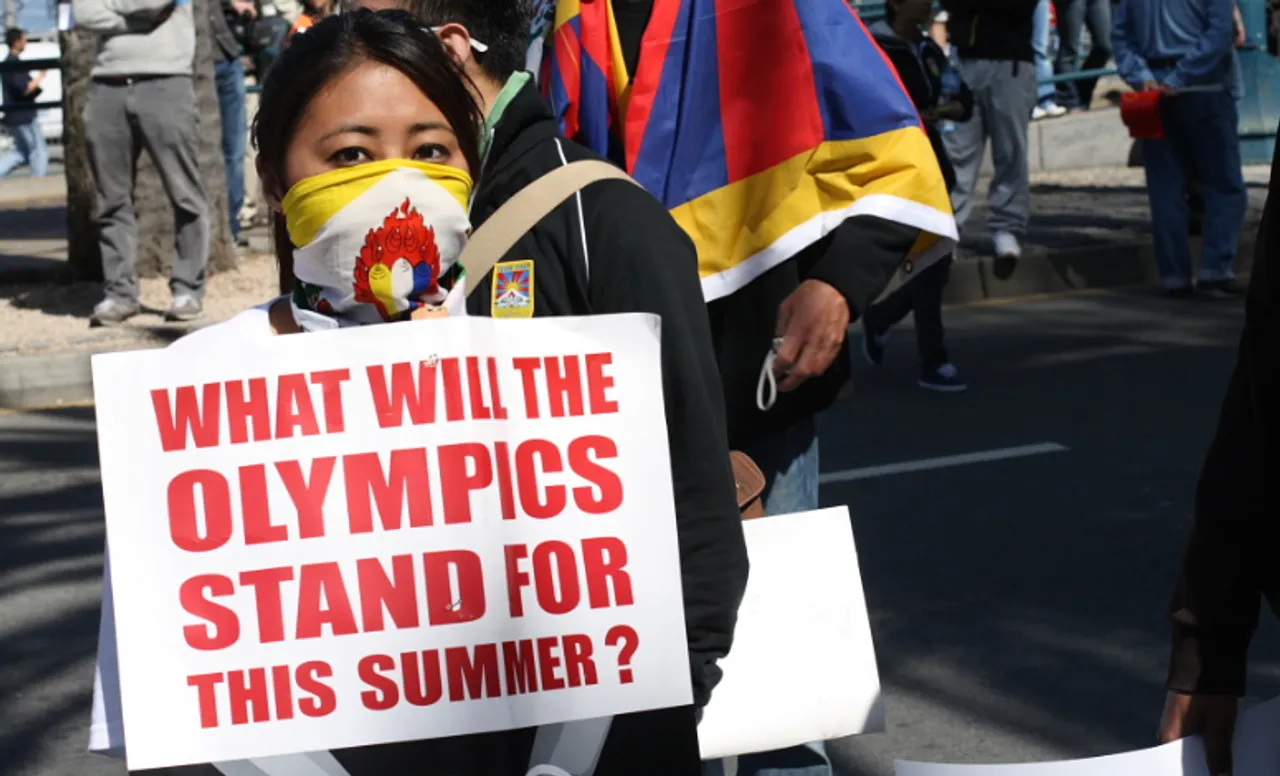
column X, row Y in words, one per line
column 511, row 221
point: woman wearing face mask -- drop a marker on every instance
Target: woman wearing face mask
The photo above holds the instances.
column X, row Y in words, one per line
column 367, row 137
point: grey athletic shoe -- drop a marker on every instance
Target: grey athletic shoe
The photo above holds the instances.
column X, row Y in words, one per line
column 112, row 312
column 184, row 308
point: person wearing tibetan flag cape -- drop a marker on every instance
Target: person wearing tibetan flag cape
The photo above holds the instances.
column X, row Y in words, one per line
column 806, row 183
column 781, row 140
column 368, row 135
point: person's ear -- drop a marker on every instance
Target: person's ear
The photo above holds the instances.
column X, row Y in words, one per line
column 271, row 191
column 457, row 42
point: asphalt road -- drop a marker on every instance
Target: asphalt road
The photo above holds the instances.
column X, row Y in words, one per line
column 1018, row 605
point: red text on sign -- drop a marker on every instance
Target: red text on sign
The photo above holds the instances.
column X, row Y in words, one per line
column 571, row 385
column 393, row 491
column 416, row 391
column 436, row 588
column 478, row 671
column 186, row 415
column 556, row 575
column 264, row 694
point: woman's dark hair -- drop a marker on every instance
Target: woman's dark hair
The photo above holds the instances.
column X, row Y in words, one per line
column 327, row 50
column 502, row 25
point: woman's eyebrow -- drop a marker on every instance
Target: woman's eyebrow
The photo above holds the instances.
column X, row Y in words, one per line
column 358, row 129
column 427, row 126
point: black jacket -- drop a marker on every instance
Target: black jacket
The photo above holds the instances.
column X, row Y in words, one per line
column 639, row 260
column 922, row 77
column 991, row 29
column 1231, row 560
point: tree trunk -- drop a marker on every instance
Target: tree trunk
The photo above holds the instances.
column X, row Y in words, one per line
column 151, row 204
column 85, row 258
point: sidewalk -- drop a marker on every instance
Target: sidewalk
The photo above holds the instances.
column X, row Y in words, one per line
column 1089, row 229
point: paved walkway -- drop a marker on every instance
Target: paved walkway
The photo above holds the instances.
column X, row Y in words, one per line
column 1081, row 215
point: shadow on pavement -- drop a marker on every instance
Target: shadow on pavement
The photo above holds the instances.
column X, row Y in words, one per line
column 51, row 540
column 1019, row 609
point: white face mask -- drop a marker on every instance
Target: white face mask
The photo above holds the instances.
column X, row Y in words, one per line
column 377, row 241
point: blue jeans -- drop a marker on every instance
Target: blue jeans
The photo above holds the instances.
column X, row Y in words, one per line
column 1201, row 142
column 28, row 148
column 1073, row 17
column 789, row 460
column 1041, row 43
column 229, row 78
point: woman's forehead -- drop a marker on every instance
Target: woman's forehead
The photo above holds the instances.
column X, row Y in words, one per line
column 371, row 91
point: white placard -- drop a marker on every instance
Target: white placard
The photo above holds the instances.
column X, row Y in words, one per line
column 1256, row 752
column 802, row 667
column 304, row 530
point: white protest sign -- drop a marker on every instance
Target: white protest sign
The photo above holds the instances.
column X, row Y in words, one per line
column 802, row 667
column 1256, row 751
column 389, row 533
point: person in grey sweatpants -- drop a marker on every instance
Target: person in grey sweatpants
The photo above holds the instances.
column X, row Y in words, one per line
column 142, row 96
column 997, row 62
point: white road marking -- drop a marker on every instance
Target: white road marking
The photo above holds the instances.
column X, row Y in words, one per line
column 942, row 462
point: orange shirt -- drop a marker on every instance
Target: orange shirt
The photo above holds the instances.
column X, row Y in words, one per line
column 304, row 22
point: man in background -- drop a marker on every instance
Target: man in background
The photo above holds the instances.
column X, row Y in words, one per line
column 228, row 73
column 1073, row 17
column 942, row 98
column 142, row 95
column 22, row 88
column 993, row 40
column 1183, row 49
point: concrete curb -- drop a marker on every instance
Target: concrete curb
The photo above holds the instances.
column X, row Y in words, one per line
column 47, row 380
column 42, row 381
column 1042, row 272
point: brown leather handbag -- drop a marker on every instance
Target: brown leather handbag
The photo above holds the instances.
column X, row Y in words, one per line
column 750, row 481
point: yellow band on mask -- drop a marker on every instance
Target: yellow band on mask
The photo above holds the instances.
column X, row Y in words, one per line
column 326, row 194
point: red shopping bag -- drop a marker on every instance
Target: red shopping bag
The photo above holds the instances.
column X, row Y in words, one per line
column 1140, row 112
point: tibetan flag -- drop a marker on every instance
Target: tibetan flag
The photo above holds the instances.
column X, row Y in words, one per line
column 761, row 125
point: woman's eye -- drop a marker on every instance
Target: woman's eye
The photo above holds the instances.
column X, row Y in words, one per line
column 431, row 152
column 349, row 156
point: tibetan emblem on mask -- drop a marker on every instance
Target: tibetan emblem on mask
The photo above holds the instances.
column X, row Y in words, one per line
column 398, row 269
column 512, row 289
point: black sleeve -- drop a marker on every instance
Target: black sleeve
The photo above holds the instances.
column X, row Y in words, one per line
column 1237, row 532
column 861, row 257
column 642, row 261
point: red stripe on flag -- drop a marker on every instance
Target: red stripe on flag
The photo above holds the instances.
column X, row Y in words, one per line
column 648, row 76
column 594, row 17
column 768, row 100
column 567, row 65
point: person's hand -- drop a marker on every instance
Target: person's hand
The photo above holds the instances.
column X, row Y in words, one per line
column 1152, row 86
column 813, row 323
column 1238, row 36
column 245, row 8
column 1211, row 716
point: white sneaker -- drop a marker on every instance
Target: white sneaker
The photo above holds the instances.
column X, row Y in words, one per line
column 1007, row 247
column 1047, row 110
